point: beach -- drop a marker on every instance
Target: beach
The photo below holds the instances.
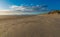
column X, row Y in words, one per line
column 30, row 26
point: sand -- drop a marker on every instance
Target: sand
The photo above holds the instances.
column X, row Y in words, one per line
column 30, row 26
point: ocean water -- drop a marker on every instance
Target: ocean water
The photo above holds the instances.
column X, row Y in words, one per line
column 22, row 13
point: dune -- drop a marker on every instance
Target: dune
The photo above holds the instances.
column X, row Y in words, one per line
column 30, row 26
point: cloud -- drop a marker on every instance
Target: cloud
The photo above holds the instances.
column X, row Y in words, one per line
column 23, row 10
column 28, row 8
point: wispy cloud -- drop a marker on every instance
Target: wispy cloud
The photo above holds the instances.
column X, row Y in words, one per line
column 28, row 8
column 24, row 10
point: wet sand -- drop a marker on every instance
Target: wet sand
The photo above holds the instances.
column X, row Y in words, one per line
column 30, row 26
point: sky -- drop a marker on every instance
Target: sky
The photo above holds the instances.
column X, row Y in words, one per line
column 15, row 4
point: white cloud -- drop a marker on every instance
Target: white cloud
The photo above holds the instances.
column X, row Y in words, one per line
column 21, row 8
column 27, row 8
column 14, row 7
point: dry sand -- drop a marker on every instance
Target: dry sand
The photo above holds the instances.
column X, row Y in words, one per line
column 30, row 26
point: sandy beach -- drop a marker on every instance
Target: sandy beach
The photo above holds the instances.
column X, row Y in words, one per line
column 30, row 26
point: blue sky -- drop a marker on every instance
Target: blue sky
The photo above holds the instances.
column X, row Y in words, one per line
column 52, row 4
